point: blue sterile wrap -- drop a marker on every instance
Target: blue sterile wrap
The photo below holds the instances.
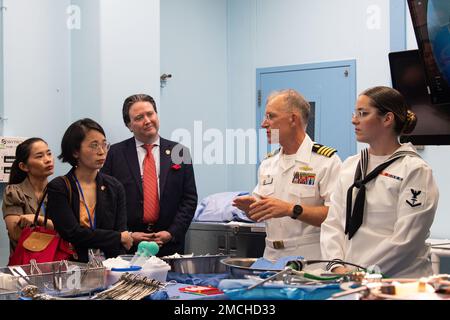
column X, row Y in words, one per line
column 236, row 289
column 209, row 279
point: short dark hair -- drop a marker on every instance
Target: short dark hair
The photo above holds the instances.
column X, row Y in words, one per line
column 387, row 99
column 23, row 151
column 132, row 100
column 74, row 135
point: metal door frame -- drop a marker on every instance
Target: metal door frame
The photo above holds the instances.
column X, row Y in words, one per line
column 350, row 64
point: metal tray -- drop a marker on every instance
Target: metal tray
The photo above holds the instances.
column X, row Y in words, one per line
column 198, row 264
column 8, row 295
column 65, row 278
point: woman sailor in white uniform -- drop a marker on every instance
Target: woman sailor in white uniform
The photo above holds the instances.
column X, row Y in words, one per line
column 385, row 198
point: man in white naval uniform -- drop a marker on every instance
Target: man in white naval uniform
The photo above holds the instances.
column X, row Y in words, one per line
column 294, row 183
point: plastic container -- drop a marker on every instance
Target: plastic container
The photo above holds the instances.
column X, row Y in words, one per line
column 158, row 272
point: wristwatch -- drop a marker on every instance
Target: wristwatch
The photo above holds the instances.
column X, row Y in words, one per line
column 297, row 211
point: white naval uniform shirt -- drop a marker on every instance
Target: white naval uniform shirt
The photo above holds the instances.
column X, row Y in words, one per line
column 399, row 210
column 275, row 179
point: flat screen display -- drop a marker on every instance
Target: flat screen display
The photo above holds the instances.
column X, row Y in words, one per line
column 408, row 77
column 431, row 22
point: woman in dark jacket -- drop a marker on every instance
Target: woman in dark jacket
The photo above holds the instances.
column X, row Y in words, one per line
column 87, row 207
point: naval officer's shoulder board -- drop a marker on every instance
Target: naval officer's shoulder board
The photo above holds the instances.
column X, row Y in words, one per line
column 323, row 150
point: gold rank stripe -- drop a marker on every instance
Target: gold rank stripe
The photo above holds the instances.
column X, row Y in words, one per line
column 326, row 151
column 330, row 153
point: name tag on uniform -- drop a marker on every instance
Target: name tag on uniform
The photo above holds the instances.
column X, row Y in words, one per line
column 267, row 180
column 307, row 178
column 386, row 174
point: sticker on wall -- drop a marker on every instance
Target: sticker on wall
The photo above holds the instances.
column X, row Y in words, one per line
column 8, row 147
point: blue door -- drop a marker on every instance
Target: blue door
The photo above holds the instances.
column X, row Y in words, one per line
column 329, row 87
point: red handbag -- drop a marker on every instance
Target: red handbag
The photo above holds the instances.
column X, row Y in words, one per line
column 39, row 243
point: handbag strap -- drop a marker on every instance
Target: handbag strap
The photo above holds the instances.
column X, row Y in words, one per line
column 69, row 188
column 41, row 202
column 38, row 210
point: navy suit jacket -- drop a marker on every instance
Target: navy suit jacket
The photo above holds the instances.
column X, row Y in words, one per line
column 178, row 193
column 110, row 215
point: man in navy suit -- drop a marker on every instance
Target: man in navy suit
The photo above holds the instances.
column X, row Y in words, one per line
column 176, row 183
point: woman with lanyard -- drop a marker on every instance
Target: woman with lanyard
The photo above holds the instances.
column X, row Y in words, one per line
column 88, row 207
column 27, row 181
column 385, row 198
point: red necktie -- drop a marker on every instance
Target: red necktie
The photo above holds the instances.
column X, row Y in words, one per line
column 150, row 187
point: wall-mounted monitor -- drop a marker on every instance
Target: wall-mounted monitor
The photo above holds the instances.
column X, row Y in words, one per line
column 408, row 77
column 431, row 22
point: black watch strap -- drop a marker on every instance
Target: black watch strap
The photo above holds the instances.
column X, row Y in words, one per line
column 297, row 211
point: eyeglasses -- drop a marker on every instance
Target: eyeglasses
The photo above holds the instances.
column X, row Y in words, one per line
column 359, row 114
column 268, row 116
column 95, row 146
